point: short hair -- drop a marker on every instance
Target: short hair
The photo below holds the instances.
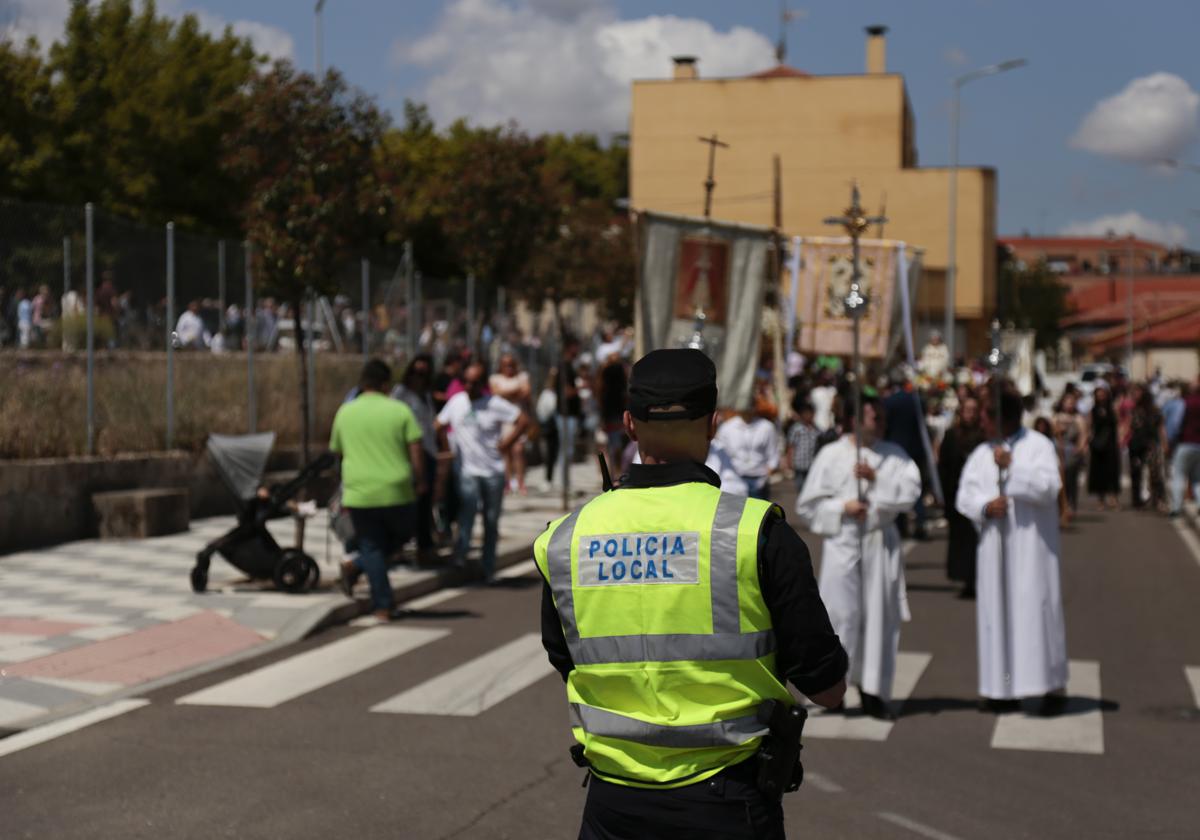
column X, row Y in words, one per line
column 1012, row 406
column 376, row 375
column 848, row 413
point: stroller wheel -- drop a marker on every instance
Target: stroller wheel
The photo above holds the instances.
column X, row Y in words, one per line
column 199, row 579
column 294, row 570
column 314, row 573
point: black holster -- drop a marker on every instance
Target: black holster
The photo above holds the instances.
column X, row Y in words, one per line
column 779, row 767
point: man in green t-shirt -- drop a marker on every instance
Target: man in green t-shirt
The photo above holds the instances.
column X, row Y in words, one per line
column 380, row 444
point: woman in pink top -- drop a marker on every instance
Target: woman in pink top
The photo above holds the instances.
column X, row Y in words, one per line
column 512, row 383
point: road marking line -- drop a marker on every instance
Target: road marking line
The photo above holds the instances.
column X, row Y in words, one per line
column 821, row 724
column 442, row 595
column 42, row 734
column 517, row 570
column 1193, row 677
column 1188, row 536
column 290, row 678
column 1078, row 729
column 822, row 783
column 915, row 827
column 474, row 687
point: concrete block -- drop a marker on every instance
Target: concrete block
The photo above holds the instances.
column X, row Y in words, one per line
column 126, row 514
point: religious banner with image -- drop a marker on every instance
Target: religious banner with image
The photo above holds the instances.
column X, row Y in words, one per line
column 701, row 283
column 820, row 284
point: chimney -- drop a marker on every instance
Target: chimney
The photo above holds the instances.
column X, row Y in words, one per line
column 685, row 67
column 877, row 49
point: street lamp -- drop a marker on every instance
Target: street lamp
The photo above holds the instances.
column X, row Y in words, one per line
column 951, row 255
column 317, row 35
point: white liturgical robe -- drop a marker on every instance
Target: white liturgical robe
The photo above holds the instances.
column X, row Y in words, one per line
column 864, row 594
column 1021, row 635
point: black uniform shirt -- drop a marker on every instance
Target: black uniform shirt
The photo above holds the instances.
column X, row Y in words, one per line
column 808, row 652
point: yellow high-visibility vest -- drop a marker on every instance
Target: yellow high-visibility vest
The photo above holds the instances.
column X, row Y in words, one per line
column 657, row 590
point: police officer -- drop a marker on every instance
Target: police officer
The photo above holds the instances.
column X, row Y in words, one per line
column 675, row 613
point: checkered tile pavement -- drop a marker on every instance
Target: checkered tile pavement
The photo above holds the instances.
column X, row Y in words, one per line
column 87, row 619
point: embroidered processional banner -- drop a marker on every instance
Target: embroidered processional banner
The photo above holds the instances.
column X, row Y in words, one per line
column 702, row 283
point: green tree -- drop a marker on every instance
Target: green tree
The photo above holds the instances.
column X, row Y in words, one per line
column 1031, row 298
column 138, row 106
column 309, row 150
column 26, row 121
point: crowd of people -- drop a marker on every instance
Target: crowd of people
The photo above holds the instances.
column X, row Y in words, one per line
column 424, row 457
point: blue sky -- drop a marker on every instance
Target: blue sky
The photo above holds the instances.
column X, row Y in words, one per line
column 563, row 64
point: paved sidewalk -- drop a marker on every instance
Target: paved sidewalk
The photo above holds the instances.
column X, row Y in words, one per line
column 90, row 621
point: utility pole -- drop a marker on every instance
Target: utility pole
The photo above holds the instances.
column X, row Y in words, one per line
column 709, row 182
column 318, row 38
column 786, row 16
column 1129, row 310
column 777, row 221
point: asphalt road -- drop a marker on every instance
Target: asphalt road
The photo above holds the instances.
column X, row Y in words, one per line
column 322, row 764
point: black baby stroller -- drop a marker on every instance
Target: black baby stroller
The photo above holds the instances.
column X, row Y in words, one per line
column 240, row 461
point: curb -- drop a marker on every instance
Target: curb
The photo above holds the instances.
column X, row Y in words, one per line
column 309, row 622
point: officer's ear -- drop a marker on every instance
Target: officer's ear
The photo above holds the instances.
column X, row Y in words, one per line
column 630, row 429
column 713, row 422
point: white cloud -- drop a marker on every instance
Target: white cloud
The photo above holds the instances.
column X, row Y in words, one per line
column 562, row 64
column 268, row 40
column 41, row 19
column 1154, row 117
column 1123, row 224
column 44, row 19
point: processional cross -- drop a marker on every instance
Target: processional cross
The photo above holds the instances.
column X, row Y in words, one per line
column 855, row 221
column 702, row 285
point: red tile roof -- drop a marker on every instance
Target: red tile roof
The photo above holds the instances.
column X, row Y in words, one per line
column 1091, row 291
column 1180, row 326
column 1145, row 305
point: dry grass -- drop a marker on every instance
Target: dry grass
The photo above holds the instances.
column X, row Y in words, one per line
column 43, row 400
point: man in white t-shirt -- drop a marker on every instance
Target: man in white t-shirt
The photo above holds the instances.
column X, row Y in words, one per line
column 478, row 420
column 753, row 447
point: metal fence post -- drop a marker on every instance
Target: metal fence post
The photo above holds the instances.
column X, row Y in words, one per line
column 366, row 307
column 90, row 268
column 221, row 283
column 471, row 311
column 311, row 335
column 66, row 264
column 419, row 305
column 251, row 326
column 410, row 295
column 170, row 335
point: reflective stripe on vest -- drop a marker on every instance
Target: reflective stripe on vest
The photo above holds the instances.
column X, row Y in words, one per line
column 725, row 642
column 717, row 734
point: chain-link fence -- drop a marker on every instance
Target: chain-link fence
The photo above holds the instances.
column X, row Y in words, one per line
column 182, row 344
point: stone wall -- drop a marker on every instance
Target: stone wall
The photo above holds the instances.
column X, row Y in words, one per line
column 49, row 501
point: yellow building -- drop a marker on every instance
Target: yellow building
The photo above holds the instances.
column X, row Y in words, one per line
column 826, row 130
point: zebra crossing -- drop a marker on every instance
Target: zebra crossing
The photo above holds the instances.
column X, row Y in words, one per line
column 471, row 688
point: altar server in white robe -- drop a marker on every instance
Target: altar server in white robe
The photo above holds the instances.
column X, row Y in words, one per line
column 1021, row 634
column 862, row 569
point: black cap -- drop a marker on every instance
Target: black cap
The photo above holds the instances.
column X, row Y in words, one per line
column 663, row 378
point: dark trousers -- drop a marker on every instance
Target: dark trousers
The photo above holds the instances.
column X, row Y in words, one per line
column 727, row 806
column 1137, row 468
column 550, row 448
column 380, row 533
column 425, row 505
column 1071, row 480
